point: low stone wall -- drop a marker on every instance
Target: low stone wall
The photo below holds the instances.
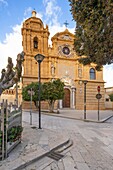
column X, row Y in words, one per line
column 44, row 105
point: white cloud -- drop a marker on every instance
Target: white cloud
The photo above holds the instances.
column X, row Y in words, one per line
column 52, row 12
column 3, row 2
column 27, row 11
column 39, row 15
column 108, row 75
column 53, row 29
column 49, row 8
column 11, row 46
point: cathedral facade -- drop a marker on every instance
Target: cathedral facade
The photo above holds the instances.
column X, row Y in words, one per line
column 61, row 61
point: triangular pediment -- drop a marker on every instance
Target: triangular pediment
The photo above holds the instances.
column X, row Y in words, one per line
column 65, row 35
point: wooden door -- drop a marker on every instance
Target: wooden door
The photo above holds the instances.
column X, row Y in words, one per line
column 66, row 100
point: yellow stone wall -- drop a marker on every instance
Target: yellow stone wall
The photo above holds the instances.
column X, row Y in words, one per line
column 10, row 95
column 62, row 65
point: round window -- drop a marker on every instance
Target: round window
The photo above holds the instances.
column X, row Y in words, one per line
column 66, row 50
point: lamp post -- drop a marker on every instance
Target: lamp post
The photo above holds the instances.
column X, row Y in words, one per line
column 16, row 94
column 85, row 82
column 31, row 93
column 39, row 58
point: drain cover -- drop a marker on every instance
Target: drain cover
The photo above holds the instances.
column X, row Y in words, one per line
column 54, row 155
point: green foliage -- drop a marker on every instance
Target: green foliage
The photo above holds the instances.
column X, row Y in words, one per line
column 25, row 94
column 35, row 87
column 50, row 91
column 14, row 133
column 94, row 31
column 111, row 97
column 53, row 90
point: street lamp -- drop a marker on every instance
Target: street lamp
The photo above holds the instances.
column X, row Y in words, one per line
column 85, row 82
column 16, row 99
column 39, row 58
column 31, row 93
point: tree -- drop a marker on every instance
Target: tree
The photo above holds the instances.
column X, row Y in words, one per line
column 35, row 87
column 111, row 97
column 50, row 92
column 9, row 76
column 53, row 91
column 94, row 31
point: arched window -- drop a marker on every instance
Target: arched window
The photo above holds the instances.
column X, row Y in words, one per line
column 35, row 41
column 92, row 74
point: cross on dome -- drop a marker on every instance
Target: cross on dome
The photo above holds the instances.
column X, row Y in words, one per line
column 66, row 23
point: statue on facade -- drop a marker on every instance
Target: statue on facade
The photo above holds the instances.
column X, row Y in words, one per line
column 79, row 71
column 52, row 69
column 10, row 76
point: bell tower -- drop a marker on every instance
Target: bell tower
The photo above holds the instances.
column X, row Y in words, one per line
column 34, row 41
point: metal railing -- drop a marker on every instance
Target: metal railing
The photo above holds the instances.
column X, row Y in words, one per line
column 10, row 122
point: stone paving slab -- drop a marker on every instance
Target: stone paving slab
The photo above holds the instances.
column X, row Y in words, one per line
column 91, row 115
column 38, row 142
column 35, row 144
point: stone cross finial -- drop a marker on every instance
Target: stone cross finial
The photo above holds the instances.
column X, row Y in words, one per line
column 66, row 23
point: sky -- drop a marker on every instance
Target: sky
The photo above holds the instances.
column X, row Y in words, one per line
column 54, row 13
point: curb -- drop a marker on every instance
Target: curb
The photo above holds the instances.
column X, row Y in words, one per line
column 85, row 120
column 43, row 155
column 107, row 118
column 96, row 121
column 64, row 147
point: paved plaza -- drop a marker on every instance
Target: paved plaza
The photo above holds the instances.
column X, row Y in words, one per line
column 92, row 147
column 91, row 115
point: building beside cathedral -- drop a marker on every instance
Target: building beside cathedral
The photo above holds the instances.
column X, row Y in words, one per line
column 60, row 61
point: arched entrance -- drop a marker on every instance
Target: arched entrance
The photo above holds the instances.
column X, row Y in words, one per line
column 66, row 100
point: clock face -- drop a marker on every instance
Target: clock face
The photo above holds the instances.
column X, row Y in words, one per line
column 66, row 50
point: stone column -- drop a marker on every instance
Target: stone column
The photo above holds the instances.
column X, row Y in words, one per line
column 60, row 104
column 73, row 97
